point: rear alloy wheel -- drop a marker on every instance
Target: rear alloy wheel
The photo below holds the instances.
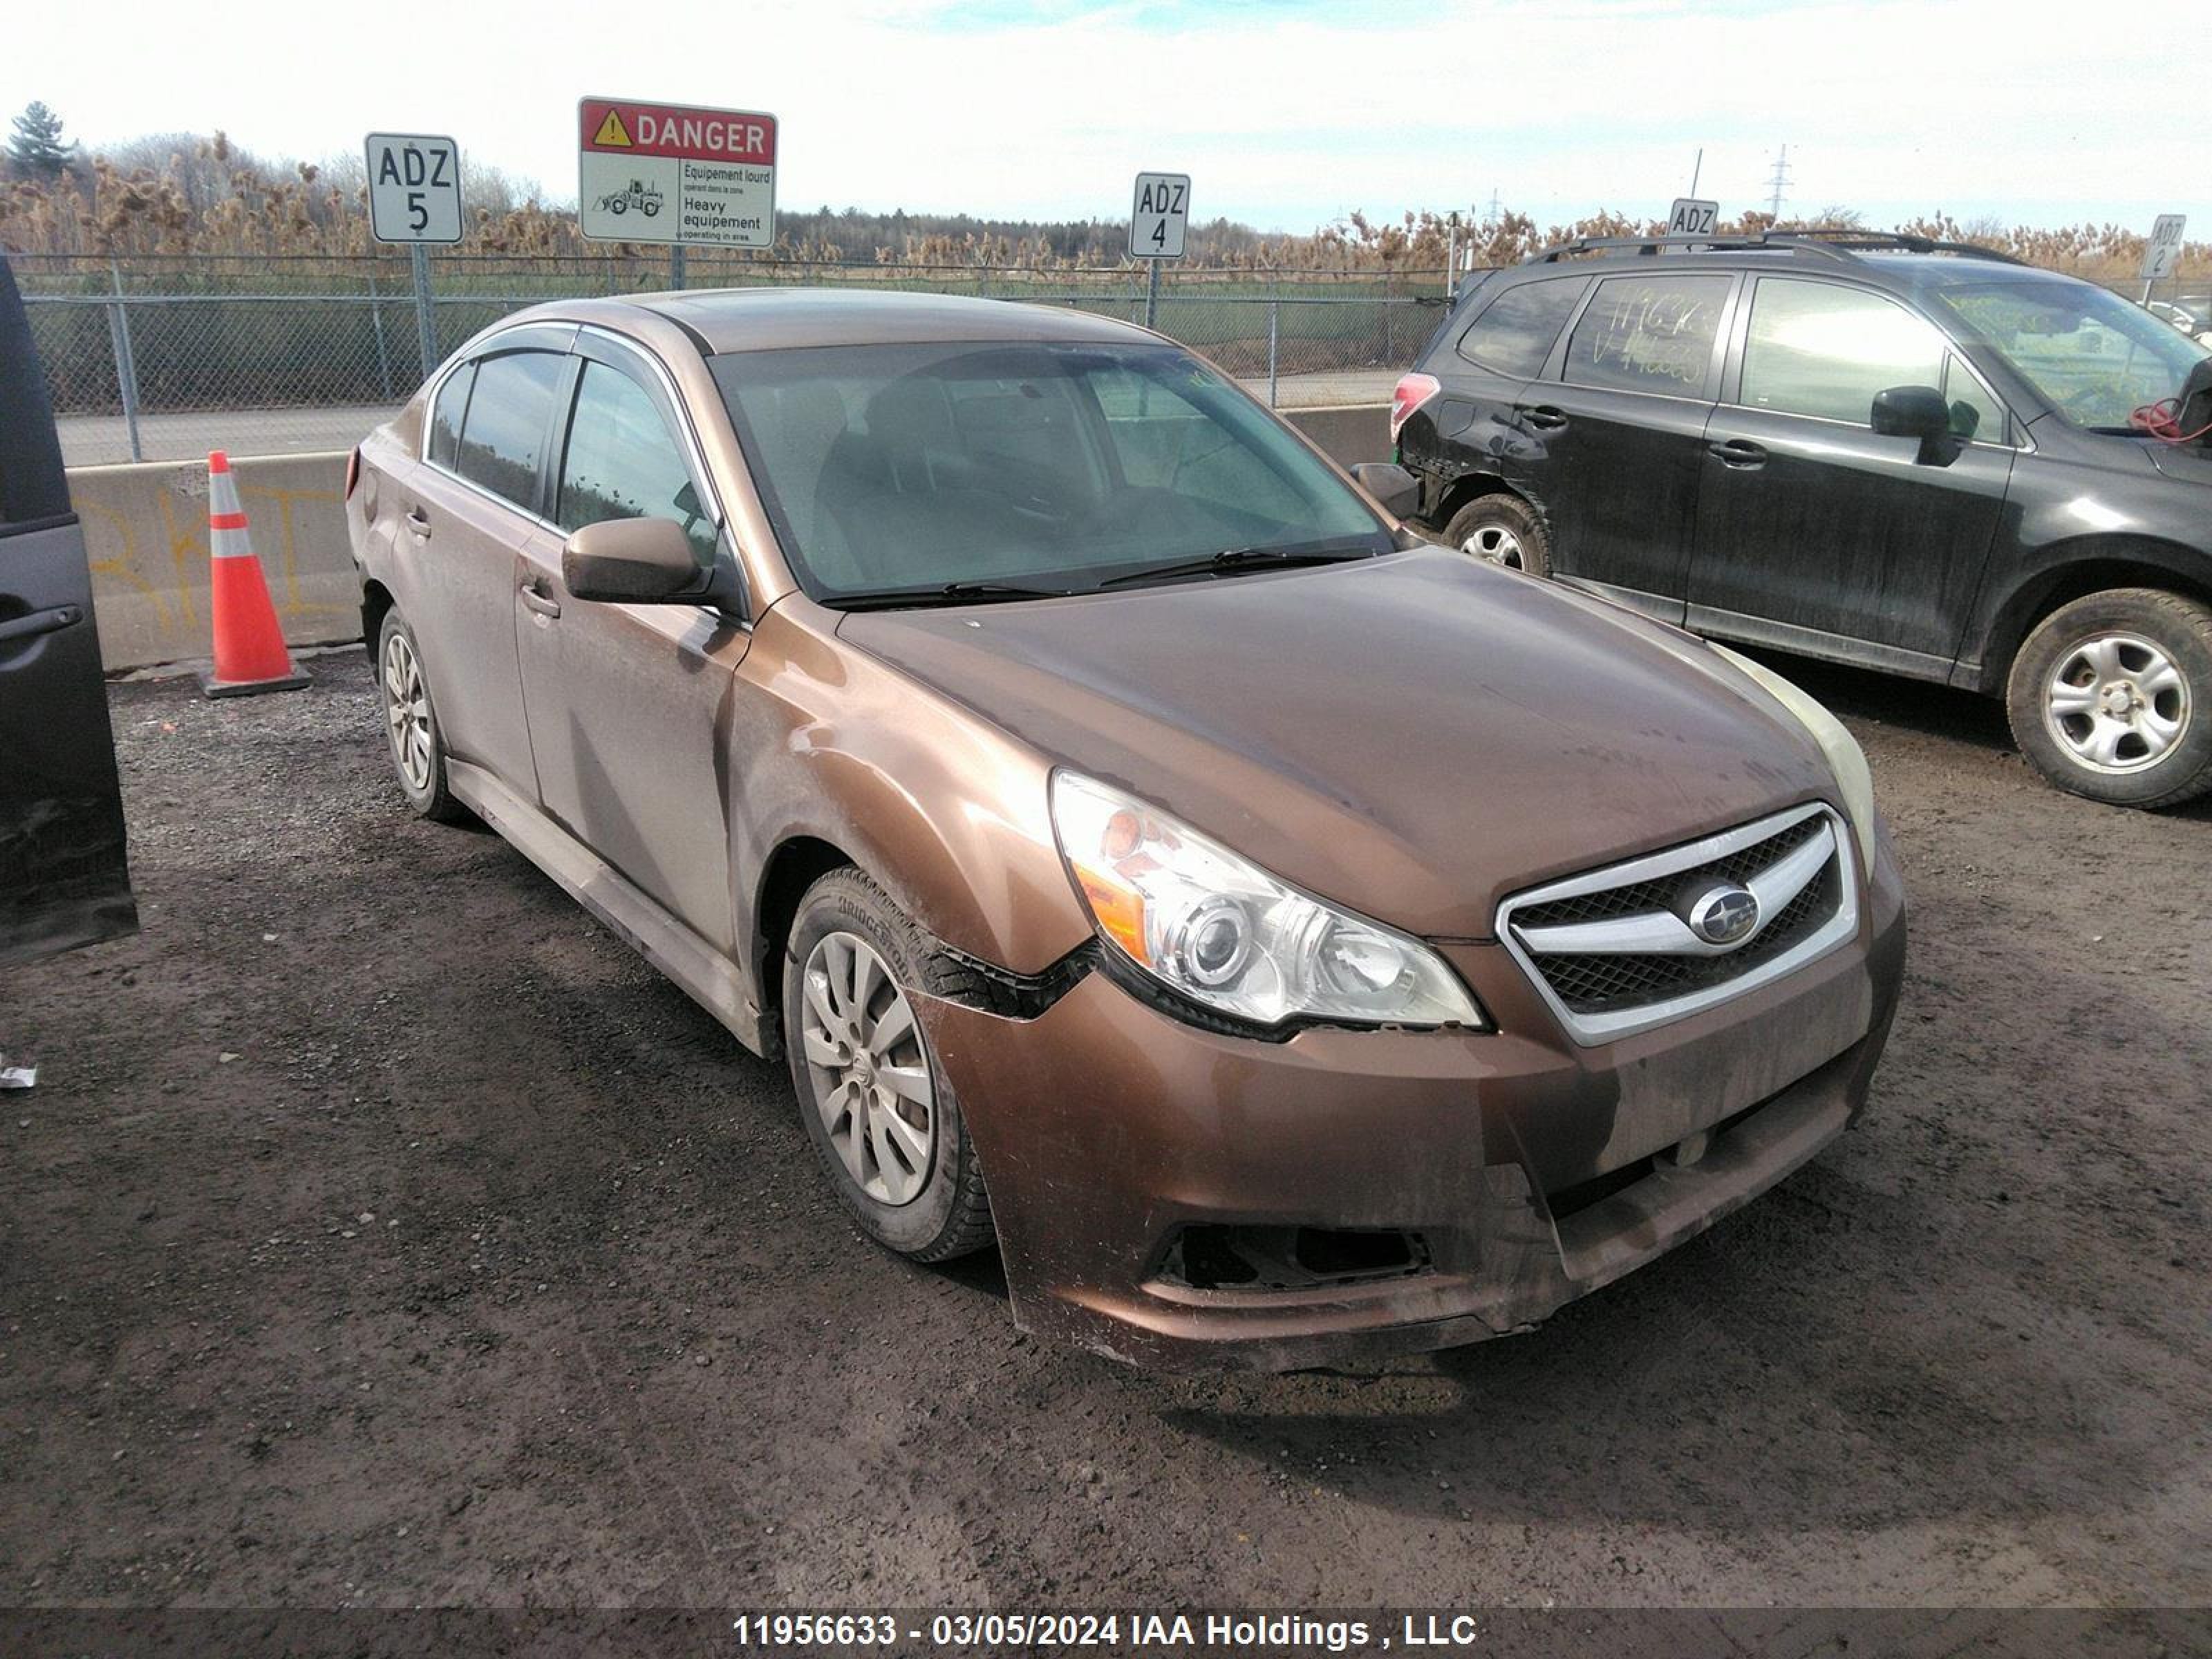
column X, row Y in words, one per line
column 884, row 1121
column 2112, row 698
column 410, row 723
column 1501, row 530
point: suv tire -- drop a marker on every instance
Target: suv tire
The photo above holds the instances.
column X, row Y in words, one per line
column 1501, row 530
column 2111, row 697
column 913, row 1183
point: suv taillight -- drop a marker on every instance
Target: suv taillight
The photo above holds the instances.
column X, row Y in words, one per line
column 353, row 473
column 1411, row 392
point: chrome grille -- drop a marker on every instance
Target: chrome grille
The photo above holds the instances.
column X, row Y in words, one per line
column 1613, row 953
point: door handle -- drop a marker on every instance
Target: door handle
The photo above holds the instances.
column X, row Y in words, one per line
column 537, row 598
column 39, row 622
column 1739, row 452
column 419, row 522
column 1543, row 417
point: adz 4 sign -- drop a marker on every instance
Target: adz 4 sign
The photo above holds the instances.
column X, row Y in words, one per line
column 414, row 188
column 671, row 173
column 1159, row 215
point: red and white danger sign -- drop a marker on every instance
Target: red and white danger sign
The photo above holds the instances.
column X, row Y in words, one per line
column 674, row 172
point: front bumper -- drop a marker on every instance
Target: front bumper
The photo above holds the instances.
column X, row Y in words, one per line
column 1527, row 1170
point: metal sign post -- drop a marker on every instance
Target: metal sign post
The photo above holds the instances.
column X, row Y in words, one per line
column 1159, row 215
column 415, row 197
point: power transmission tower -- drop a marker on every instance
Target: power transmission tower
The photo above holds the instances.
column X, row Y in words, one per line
column 1779, row 182
column 1493, row 219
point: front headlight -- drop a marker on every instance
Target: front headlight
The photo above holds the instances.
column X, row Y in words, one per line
column 1223, row 932
column 1854, row 782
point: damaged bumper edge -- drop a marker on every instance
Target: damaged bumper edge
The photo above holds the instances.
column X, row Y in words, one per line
column 1184, row 1198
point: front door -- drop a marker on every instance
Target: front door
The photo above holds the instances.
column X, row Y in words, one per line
column 630, row 705
column 63, row 877
column 1814, row 532
column 1616, row 430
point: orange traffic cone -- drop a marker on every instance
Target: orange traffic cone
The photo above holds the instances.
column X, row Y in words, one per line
column 249, row 647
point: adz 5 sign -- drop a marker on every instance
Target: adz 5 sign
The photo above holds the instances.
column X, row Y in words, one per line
column 414, row 188
column 671, row 173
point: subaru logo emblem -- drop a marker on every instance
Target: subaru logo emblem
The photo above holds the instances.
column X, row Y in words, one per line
column 1724, row 914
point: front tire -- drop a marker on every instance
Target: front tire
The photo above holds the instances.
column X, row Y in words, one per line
column 881, row 1114
column 417, row 744
column 2111, row 697
column 1501, row 530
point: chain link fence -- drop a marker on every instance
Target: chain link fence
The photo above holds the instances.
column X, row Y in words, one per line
column 165, row 358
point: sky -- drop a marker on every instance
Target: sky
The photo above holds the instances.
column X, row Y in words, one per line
column 1287, row 115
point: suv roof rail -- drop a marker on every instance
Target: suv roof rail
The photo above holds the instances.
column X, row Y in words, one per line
column 1841, row 243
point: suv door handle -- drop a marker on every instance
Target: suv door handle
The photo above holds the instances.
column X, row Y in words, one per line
column 536, row 598
column 1542, row 416
column 419, row 522
column 39, row 622
column 1739, row 452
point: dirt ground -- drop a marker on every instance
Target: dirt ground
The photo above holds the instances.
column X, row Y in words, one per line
column 381, row 1232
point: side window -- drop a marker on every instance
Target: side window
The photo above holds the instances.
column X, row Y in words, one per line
column 446, row 415
column 1649, row 334
column 1819, row 348
column 622, row 462
column 1974, row 413
column 1515, row 333
column 503, row 439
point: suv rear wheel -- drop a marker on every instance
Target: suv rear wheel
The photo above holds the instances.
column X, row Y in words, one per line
column 2111, row 697
column 1504, row 530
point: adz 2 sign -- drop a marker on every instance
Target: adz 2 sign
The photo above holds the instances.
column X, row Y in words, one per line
column 671, row 173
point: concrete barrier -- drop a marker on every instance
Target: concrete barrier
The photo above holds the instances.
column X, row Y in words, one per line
column 146, row 536
column 145, row 529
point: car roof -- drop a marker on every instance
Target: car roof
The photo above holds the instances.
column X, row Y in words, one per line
column 1914, row 270
column 778, row 318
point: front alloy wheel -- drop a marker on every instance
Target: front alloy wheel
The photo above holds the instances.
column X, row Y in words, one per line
column 2111, row 697
column 871, row 1080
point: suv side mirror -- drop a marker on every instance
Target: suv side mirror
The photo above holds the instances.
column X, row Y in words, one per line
column 632, row 561
column 1916, row 411
column 1397, row 489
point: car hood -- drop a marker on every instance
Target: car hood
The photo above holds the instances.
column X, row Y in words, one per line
column 1414, row 737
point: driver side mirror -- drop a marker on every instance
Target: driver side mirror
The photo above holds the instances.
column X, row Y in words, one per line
column 1916, row 411
column 632, row 561
column 1398, row 490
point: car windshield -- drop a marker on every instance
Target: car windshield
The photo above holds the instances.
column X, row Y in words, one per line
column 2094, row 355
column 997, row 468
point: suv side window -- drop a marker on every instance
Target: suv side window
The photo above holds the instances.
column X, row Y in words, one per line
column 622, row 462
column 502, row 445
column 1649, row 334
column 446, row 416
column 1974, row 413
column 1819, row 348
column 1514, row 332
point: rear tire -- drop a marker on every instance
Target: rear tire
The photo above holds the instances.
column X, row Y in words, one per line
column 2111, row 697
column 414, row 738
column 881, row 1114
column 1501, row 530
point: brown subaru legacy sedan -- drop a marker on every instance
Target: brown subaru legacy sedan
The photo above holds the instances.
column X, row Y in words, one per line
column 1288, row 940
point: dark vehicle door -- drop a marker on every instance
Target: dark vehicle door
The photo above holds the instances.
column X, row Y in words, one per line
column 63, row 877
column 1615, row 433
column 1817, row 533
column 1480, row 360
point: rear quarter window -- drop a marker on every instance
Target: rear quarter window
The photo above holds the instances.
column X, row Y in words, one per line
column 1514, row 333
column 446, row 415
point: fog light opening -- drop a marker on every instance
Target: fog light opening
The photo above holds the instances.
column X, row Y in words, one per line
column 1209, row 1256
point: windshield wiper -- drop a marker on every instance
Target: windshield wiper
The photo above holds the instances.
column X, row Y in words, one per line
column 1232, row 559
column 901, row 599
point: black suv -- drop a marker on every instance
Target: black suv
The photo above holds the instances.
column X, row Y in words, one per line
column 1911, row 455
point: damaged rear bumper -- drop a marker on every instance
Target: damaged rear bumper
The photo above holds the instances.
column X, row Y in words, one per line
column 1181, row 1199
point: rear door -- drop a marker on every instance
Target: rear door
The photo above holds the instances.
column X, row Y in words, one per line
column 63, row 877
column 1615, row 432
column 1816, row 534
